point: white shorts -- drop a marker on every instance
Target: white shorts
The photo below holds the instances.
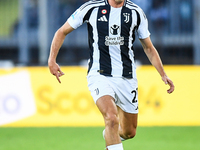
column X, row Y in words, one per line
column 123, row 90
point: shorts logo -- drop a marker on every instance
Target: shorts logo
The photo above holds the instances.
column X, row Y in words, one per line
column 97, row 91
column 104, row 11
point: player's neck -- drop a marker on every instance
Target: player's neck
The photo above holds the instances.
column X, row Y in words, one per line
column 116, row 3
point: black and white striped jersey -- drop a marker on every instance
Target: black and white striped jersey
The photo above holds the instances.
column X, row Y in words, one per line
column 111, row 33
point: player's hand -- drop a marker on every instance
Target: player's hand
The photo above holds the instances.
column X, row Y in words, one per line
column 55, row 70
column 167, row 80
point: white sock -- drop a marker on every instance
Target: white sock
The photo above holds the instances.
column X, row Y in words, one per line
column 104, row 134
column 122, row 139
column 115, row 147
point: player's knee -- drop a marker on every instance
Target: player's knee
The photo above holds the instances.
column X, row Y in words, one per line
column 130, row 134
column 111, row 120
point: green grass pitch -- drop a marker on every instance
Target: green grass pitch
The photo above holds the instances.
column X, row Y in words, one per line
column 90, row 138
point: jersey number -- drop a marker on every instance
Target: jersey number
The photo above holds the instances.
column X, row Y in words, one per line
column 135, row 94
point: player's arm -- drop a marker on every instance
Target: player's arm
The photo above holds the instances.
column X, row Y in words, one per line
column 155, row 60
column 56, row 44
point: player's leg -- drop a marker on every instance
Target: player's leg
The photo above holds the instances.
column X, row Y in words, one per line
column 107, row 107
column 103, row 95
column 128, row 124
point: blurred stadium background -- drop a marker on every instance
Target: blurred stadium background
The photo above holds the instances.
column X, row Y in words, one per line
column 56, row 114
column 27, row 28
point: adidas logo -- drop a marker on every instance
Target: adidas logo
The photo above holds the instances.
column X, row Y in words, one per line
column 103, row 18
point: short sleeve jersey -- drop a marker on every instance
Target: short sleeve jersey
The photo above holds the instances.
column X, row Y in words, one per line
column 111, row 33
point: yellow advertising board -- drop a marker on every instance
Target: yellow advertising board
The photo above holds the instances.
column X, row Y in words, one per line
column 33, row 97
column 157, row 107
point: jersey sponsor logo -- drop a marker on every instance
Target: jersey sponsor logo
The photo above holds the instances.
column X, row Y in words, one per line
column 114, row 30
column 114, row 40
column 104, row 11
column 103, row 18
column 127, row 17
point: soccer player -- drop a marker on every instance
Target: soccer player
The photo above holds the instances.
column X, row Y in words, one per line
column 112, row 25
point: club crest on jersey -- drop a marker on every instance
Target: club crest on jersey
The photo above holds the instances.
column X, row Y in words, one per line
column 114, row 30
column 104, row 11
column 127, row 17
